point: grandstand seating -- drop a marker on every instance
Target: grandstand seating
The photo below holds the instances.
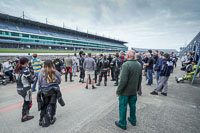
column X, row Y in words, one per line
column 42, row 34
column 8, row 26
column 29, row 30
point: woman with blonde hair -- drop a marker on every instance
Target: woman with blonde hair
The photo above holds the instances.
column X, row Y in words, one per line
column 49, row 80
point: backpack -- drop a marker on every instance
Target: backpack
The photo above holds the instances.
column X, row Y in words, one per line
column 118, row 64
column 165, row 69
column 122, row 58
column 105, row 64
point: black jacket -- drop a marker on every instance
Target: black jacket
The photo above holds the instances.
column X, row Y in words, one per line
column 24, row 81
column 116, row 63
column 104, row 64
column 81, row 61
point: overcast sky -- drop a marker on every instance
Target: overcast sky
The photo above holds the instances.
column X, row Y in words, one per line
column 142, row 23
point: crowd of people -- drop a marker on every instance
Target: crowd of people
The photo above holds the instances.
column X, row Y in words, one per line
column 124, row 69
column 189, row 65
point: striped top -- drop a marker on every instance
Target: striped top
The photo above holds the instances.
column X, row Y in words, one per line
column 37, row 65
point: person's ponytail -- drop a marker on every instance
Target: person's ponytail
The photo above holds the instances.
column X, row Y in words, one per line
column 18, row 68
column 22, row 61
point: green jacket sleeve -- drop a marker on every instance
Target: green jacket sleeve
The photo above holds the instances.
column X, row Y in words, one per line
column 123, row 79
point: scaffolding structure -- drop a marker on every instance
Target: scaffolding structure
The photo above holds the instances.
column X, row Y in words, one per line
column 194, row 45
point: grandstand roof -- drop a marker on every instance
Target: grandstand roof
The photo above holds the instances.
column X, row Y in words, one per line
column 17, row 20
column 143, row 50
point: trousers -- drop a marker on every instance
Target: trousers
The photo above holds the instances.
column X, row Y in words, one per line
column 103, row 74
column 49, row 105
column 68, row 71
column 157, row 76
column 112, row 73
column 123, row 102
column 35, row 82
column 162, row 84
column 74, row 69
column 150, row 76
column 27, row 103
column 116, row 75
column 10, row 74
column 82, row 73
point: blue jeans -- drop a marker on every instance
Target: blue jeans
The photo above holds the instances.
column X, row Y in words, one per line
column 157, row 76
column 74, row 69
column 150, row 76
column 10, row 74
column 35, row 82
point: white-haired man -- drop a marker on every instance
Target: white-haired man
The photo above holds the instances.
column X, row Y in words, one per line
column 130, row 80
column 149, row 67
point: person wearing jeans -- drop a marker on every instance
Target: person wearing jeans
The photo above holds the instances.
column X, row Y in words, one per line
column 75, row 64
column 158, row 65
column 150, row 76
column 37, row 67
column 35, row 82
column 149, row 67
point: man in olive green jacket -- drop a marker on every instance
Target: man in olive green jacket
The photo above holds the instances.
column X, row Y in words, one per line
column 130, row 80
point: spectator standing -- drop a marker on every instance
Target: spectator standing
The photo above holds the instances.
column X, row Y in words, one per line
column 176, row 59
column 155, row 57
column 110, row 60
column 58, row 64
column 89, row 66
column 75, row 64
column 96, row 72
column 158, row 65
column 8, row 69
column 139, row 59
column 164, row 76
column 145, row 59
column 68, row 67
column 117, row 66
column 150, row 51
column 173, row 60
column 149, row 67
column 130, row 81
column 81, row 52
column 82, row 71
column 104, row 64
column 49, row 80
column 37, row 67
column 122, row 57
column 24, row 81
column 112, row 68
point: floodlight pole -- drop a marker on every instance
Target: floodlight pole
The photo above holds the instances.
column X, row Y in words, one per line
column 63, row 25
column 23, row 14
